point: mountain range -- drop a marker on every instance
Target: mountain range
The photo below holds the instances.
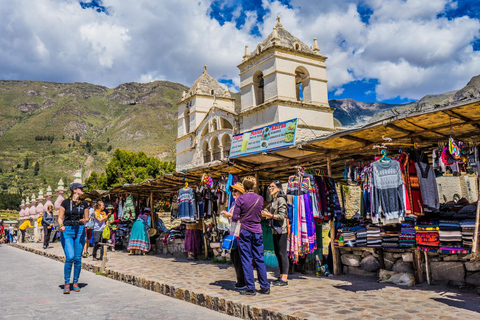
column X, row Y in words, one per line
column 68, row 126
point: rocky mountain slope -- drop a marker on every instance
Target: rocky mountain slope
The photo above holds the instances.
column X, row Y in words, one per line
column 353, row 113
column 68, row 126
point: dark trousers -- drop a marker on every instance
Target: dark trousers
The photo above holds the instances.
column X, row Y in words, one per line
column 46, row 235
column 280, row 247
column 237, row 263
column 97, row 238
column 251, row 248
column 23, row 235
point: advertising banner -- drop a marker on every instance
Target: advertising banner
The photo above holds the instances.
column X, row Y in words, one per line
column 275, row 136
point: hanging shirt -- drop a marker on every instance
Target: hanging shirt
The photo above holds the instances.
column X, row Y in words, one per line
column 387, row 192
column 428, row 186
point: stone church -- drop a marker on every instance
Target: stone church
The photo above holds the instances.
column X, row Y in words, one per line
column 282, row 79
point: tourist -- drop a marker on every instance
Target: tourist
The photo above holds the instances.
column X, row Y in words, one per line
column 47, row 223
column 72, row 215
column 112, row 224
column 100, row 223
column 26, row 224
column 237, row 190
column 89, row 227
column 278, row 222
column 2, row 232
column 139, row 241
column 248, row 211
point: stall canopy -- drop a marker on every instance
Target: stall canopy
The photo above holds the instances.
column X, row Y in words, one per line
column 426, row 128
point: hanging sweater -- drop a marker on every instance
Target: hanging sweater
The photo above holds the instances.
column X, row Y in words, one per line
column 186, row 204
column 388, row 192
column 428, row 186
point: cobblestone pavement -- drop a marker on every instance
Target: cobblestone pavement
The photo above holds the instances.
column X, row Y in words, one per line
column 307, row 297
column 30, row 289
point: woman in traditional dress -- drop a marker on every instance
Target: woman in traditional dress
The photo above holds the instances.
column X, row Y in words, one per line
column 139, row 239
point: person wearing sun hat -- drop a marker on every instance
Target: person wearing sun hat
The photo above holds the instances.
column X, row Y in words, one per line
column 72, row 215
column 237, row 190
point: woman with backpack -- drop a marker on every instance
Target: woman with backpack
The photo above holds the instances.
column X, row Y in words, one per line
column 278, row 222
column 72, row 215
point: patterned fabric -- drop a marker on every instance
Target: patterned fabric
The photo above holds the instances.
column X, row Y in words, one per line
column 139, row 239
column 193, row 241
column 129, row 209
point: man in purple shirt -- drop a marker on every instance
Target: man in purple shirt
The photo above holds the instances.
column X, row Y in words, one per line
column 248, row 210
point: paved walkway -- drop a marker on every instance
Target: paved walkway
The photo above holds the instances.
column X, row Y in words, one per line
column 307, row 297
column 30, row 289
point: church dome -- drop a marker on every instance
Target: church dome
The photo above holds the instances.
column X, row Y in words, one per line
column 208, row 85
column 280, row 37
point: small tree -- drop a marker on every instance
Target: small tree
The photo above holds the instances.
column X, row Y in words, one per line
column 36, row 169
column 25, row 163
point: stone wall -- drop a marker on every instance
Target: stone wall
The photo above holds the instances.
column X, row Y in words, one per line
column 456, row 270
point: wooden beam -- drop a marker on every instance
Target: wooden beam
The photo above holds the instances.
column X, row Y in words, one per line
column 461, row 117
column 424, row 129
column 399, row 129
column 356, row 139
column 276, row 155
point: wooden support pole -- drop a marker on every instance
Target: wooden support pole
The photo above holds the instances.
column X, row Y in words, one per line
column 152, row 211
column 381, row 258
column 427, row 267
column 204, row 229
column 417, row 266
column 104, row 259
column 337, row 263
column 477, row 222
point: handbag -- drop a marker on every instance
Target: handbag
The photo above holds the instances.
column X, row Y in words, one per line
column 90, row 224
column 106, row 233
column 229, row 242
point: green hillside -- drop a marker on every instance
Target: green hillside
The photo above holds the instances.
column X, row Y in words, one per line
column 70, row 126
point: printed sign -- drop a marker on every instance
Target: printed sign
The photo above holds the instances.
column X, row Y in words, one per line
column 275, row 136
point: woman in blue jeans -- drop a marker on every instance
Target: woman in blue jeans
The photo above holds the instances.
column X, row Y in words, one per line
column 248, row 210
column 72, row 216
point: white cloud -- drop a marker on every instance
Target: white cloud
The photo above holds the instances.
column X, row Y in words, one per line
column 339, row 91
column 405, row 46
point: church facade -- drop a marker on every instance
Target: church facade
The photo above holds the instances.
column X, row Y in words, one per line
column 282, row 79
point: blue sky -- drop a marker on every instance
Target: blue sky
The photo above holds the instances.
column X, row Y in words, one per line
column 391, row 51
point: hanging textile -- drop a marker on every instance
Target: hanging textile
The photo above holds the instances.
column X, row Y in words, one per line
column 387, row 192
column 413, row 197
column 129, row 208
column 428, row 186
column 186, row 205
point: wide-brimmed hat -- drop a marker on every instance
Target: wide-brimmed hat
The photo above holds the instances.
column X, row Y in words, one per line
column 109, row 207
column 239, row 187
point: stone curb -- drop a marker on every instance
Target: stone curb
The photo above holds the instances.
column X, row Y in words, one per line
column 229, row 307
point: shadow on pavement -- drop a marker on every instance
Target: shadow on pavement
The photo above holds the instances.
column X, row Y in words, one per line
column 224, row 284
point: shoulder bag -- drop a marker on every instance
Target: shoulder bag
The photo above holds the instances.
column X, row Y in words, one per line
column 230, row 241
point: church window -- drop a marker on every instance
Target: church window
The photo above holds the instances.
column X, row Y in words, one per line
column 302, row 82
column 259, row 87
column 206, row 153
column 187, row 121
column 226, row 124
column 216, row 152
column 226, row 143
